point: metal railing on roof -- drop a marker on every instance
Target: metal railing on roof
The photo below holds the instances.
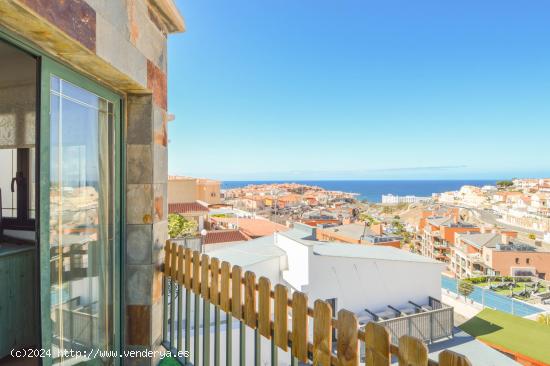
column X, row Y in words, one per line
column 427, row 325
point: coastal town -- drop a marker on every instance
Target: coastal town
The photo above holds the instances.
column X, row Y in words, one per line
column 284, row 183
column 488, row 247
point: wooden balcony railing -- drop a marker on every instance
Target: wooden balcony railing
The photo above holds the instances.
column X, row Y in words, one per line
column 273, row 315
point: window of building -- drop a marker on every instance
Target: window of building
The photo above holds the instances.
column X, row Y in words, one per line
column 527, row 261
column 517, row 260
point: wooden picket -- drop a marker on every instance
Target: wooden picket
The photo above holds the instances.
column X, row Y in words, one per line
column 252, row 301
column 174, row 261
column 214, row 281
column 236, row 292
column 450, row 358
column 205, row 277
column 322, row 333
column 167, row 251
column 225, row 287
column 264, row 307
column 348, row 336
column 299, row 326
column 196, row 273
column 188, row 279
column 412, row 352
column 377, row 345
column 181, row 270
column 281, row 317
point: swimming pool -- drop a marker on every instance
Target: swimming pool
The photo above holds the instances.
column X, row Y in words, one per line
column 493, row 300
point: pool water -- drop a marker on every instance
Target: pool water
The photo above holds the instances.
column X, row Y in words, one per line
column 493, row 300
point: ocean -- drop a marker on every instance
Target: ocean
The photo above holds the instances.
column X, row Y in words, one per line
column 372, row 190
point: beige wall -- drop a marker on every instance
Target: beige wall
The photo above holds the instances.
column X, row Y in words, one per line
column 182, row 191
column 192, row 189
column 326, row 235
column 208, row 191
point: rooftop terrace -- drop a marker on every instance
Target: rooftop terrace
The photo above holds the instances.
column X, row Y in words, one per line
column 272, row 315
column 511, row 334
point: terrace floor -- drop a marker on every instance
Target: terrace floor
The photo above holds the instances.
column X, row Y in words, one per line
column 479, row 353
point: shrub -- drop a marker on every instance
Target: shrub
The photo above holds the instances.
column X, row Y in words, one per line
column 476, row 280
column 523, row 279
column 179, row 226
column 505, row 184
column 544, row 319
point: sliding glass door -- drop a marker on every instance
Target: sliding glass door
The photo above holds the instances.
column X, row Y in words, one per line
column 82, row 221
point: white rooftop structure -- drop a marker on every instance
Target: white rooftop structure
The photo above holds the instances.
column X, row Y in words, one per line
column 369, row 252
column 358, row 276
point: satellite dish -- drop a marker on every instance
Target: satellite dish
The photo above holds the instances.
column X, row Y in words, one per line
column 204, row 232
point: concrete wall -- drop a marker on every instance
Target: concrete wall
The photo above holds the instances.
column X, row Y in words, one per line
column 357, row 283
column 269, row 268
column 365, row 283
column 296, row 272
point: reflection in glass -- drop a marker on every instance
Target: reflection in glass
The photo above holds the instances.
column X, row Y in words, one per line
column 8, row 166
column 15, row 162
column 81, row 220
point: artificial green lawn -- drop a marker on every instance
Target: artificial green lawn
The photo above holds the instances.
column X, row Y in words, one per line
column 169, row 361
column 516, row 334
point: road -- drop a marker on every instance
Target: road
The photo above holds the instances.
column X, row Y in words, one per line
column 490, row 218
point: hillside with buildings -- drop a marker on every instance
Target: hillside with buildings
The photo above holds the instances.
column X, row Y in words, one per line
column 291, row 233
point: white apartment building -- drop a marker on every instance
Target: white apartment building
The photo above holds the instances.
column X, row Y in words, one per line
column 472, row 196
column 390, row 199
column 525, row 219
column 450, row 197
column 540, row 204
column 530, row 183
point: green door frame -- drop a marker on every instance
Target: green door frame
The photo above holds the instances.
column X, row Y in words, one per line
column 47, row 66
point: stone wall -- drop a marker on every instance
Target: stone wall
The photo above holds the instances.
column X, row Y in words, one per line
column 121, row 44
column 147, row 210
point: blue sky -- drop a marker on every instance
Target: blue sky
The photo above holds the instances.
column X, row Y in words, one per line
column 386, row 89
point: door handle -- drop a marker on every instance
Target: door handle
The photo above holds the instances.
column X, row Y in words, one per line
column 17, row 179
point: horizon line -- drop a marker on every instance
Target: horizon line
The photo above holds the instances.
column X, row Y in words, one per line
column 366, row 179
